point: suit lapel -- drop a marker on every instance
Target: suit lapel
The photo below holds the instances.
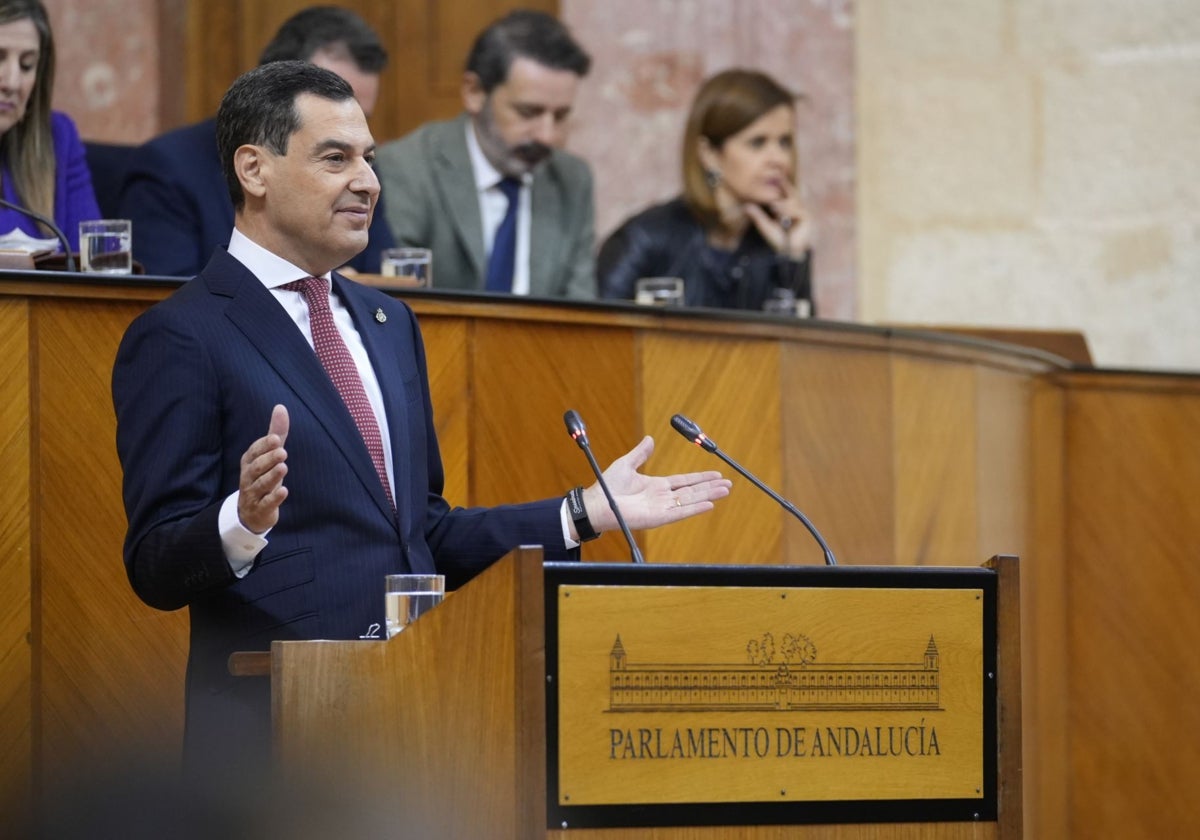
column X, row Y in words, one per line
column 545, row 223
column 254, row 310
column 455, row 181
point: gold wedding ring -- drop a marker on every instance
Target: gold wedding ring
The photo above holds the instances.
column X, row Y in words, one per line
column 677, row 502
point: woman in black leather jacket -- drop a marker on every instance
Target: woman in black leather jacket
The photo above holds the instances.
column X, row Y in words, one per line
column 738, row 236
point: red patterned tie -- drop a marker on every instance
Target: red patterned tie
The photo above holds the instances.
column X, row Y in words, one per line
column 339, row 364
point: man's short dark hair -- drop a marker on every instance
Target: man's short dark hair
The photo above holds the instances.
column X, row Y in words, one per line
column 526, row 34
column 260, row 109
column 339, row 31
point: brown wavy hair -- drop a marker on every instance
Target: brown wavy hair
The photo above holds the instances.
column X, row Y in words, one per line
column 725, row 104
column 28, row 147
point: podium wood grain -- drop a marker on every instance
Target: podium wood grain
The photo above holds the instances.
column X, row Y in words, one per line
column 452, row 688
column 445, row 724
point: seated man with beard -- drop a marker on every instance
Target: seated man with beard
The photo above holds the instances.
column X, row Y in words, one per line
column 491, row 193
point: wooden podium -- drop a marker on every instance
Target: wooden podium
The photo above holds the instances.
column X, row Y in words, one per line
column 469, row 723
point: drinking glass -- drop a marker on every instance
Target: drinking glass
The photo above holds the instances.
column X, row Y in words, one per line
column 407, row 597
column 410, row 266
column 106, row 246
column 780, row 302
column 659, row 291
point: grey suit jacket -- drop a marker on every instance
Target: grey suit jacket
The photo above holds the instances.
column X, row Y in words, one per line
column 432, row 203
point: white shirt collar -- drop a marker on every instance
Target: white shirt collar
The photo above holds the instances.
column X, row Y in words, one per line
column 272, row 269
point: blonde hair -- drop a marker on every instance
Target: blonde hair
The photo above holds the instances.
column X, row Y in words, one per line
column 725, row 104
column 28, row 147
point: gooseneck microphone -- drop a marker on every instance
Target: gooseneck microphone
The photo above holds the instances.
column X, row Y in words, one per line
column 55, row 229
column 692, row 432
column 578, row 433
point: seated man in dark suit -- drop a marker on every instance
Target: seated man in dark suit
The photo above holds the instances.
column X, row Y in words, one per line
column 492, row 193
column 267, row 345
column 174, row 191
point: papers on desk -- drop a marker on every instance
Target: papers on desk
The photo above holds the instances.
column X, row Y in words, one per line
column 18, row 240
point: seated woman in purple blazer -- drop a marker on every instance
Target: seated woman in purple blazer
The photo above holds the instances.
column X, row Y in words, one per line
column 42, row 163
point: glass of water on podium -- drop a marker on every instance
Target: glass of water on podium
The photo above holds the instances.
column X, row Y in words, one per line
column 407, row 597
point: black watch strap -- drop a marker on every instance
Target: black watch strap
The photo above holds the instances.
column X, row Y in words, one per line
column 583, row 525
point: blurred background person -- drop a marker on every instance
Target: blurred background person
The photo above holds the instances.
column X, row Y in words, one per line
column 174, row 190
column 493, row 195
column 738, row 236
column 42, row 163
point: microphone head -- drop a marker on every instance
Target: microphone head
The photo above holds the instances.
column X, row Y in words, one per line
column 692, row 432
column 575, row 427
column 685, row 427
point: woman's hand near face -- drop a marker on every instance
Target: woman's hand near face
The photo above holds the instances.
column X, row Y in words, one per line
column 784, row 224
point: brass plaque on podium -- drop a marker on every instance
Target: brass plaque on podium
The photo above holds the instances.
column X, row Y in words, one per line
column 770, row 689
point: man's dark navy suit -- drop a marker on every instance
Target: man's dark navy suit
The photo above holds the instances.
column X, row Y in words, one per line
column 175, row 193
column 194, row 383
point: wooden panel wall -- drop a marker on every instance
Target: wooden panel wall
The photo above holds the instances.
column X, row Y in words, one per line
column 837, row 450
column 449, row 377
column 731, row 389
column 1045, row 659
column 1134, row 673
column 111, row 669
column 525, row 376
column 1004, row 408
column 427, row 43
column 16, row 582
column 901, row 450
column 934, row 440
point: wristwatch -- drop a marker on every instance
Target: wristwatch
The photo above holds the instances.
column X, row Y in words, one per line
column 583, row 525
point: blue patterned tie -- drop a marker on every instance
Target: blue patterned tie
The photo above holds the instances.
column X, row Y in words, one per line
column 504, row 246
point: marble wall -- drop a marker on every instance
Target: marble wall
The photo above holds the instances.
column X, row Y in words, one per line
column 1033, row 163
column 107, row 74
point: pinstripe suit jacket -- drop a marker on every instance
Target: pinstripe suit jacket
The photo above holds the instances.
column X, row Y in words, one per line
column 194, row 382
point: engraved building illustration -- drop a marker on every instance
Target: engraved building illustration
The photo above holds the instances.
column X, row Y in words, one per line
column 785, row 680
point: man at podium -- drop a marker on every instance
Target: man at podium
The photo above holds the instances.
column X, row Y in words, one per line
column 275, row 428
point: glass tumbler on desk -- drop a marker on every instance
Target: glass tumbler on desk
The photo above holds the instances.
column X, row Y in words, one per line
column 659, row 291
column 410, row 266
column 106, row 246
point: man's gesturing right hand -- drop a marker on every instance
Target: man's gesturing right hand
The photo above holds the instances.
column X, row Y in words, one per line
column 261, row 490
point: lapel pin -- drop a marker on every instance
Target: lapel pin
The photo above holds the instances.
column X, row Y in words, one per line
column 380, row 315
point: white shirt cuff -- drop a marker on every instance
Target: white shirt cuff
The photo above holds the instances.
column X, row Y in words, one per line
column 566, row 526
column 241, row 544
